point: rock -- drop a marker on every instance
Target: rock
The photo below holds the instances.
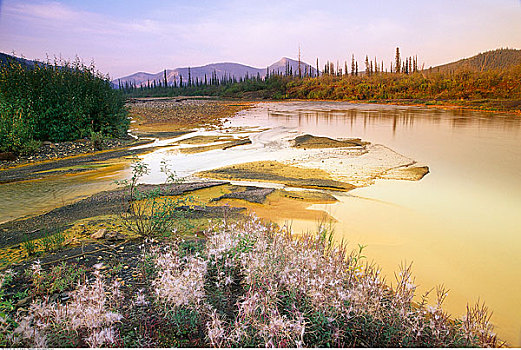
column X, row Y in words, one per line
column 46, row 143
column 23, row 301
column 7, row 156
column 115, row 236
column 99, row 234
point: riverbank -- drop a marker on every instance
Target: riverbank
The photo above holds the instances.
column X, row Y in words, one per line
column 152, row 119
column 52, row 151
column 160, row 115
column 224, row 290
column 483, row 105
column 504, row 106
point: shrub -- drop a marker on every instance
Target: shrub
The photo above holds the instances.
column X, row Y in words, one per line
column 56, row 102
column 251, row 285
column 86, row 319
column 148, row 212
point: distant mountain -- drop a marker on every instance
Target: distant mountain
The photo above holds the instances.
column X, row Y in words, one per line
column 227, row 69
column 496, row 59
column 280, row 67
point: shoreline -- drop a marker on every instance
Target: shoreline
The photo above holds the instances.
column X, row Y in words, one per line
column 121, row 144
column 445, row 104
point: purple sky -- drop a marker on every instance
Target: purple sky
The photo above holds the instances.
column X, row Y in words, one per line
column 127, row 36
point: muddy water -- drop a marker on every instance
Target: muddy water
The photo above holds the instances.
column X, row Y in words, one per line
column 460, row 225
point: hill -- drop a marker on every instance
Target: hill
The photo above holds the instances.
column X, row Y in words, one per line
column 227, row 69
column 4, row 58
column 490, row 60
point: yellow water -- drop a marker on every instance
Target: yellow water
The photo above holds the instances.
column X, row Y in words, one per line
column 19, row 199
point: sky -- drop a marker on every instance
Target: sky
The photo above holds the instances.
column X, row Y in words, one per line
column 126, row 36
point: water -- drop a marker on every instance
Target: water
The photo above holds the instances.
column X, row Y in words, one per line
column 19, row 199
column 460, row 225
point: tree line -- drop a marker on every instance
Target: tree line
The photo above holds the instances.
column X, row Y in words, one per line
column 401, row 78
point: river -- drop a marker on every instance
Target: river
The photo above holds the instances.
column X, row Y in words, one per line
column 459, row 226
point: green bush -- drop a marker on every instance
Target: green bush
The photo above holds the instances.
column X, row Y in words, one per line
column 56, row 102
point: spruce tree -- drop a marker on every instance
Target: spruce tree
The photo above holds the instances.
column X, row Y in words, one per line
column 398, row 61
column 164, row 77
column 353, row 65
column 299, row 62
column 189, row 77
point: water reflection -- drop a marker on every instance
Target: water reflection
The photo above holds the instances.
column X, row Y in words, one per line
column 23, row 198
column 460, row 224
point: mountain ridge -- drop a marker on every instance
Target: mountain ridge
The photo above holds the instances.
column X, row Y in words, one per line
column 228, row 69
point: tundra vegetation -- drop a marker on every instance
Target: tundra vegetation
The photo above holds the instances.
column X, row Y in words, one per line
column 247, row 284
column 244, row 282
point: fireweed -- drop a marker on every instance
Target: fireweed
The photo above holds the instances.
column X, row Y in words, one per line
column 87, row 315
column 305, row 291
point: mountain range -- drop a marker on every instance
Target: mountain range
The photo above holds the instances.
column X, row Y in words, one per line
column 227, row 69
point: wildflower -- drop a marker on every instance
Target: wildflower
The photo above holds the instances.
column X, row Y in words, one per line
column 37, row 268
column 140, row 298
column 228, row 280
column 85, row 313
